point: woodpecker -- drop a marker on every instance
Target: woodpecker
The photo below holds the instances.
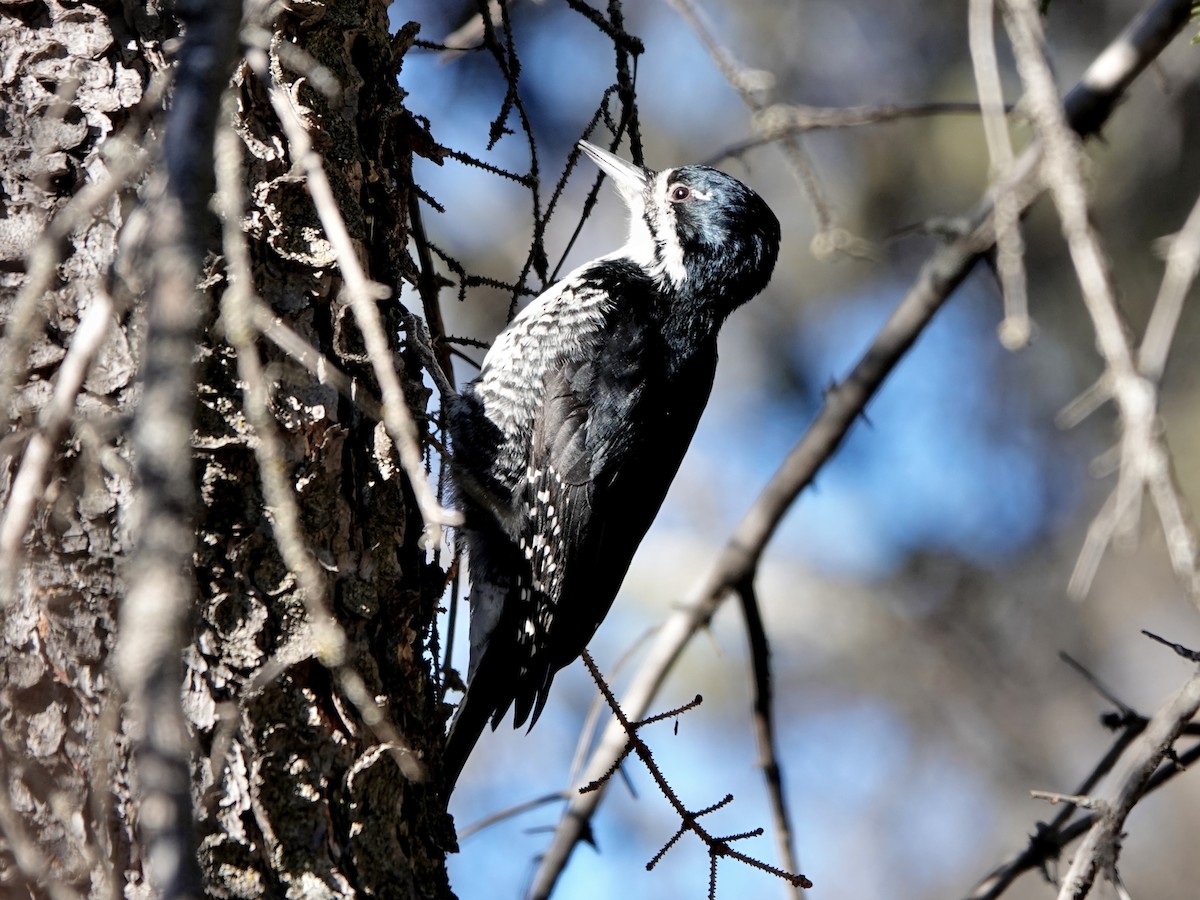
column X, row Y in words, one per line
column 564, row 446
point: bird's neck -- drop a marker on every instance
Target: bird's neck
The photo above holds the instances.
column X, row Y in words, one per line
column 688, row 323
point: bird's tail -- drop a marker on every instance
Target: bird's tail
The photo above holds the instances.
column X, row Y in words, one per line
column 477, row 707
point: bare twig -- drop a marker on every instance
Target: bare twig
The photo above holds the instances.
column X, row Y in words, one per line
column 1096, row 684
column 1145, row 459
column 32, row 864
column 469, row 35
column 591, row 721
column 131, row 153
column 718, row 847
column 293, row 56
column 1064, row 177
column 764, row 726
column 1099, row 848
column 1016, row 328
column 1183, row 262
column 27, row 316
column 363, row 294
column 752, row 86
column 1186, row 652
column 155, row 609
column 1099, row 535
column 1088, row 105
column 1080, row 801
column 328, row 639
column 509, row 813
column 782, row 119
column 982, row 41
column 303, row 352
column 427, row 286
column 55, row 418
column 1048, row 841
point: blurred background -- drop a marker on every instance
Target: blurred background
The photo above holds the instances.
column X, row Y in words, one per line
column 916, row 597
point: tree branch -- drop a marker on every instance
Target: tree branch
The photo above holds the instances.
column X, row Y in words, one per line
column 363, row 294
column 1183, row 262
column 54, row 422
column 327, row 640
column 1048, row 842
column 155, row 610
column 1145, row 459
column 752, row 86
column 1098, row 850
column 1016, row 328
column 764, row 727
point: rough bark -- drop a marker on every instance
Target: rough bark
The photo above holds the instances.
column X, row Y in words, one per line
column 293, row 794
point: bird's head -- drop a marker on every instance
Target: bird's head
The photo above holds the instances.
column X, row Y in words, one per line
column 697, row 231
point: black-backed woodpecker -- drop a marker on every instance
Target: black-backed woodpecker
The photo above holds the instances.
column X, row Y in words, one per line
column 563, row 448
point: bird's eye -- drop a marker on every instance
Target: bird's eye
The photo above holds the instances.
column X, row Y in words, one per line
column 680, row 193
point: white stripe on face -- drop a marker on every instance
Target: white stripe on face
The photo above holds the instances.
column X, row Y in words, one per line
column 653, row 241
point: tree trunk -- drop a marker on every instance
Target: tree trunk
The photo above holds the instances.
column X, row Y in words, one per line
column 294, row 791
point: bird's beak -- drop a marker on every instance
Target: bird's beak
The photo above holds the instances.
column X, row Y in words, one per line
column 629, row 179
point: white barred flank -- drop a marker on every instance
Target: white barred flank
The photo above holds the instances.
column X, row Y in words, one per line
column 560, row 323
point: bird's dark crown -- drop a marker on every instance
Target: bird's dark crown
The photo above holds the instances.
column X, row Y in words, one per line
column 728, row 235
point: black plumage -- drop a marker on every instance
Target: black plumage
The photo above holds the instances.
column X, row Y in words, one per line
column 565, row 445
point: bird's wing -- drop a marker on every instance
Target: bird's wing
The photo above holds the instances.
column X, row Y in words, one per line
column 608, row 438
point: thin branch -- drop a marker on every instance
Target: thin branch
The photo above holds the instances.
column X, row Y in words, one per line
column 1100, row 533
column 294, row 57
column 1047, row 843
column 764, row 727
column 752, row 86
column 27, row 316
column 718, row 847
column 1048, row 840
column 1183, row 262
column 130, row 155
column 1016, row 328
column 591, row 721
column 1099, row 848
column 363, row 294
column 505, row 55
column 1186, row 652
column 30, row 481
column 509, row 813
column 155, row 610
column 328, row 641
column 781, row 119
column 1078, row 801
column 299, row 349
column 1098, row 686
column 1088, row 105
column 1064, row 176
column 427, row 287
column 469, row 35
column 1145, row 459
column 32, row 864
column 982, row 42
